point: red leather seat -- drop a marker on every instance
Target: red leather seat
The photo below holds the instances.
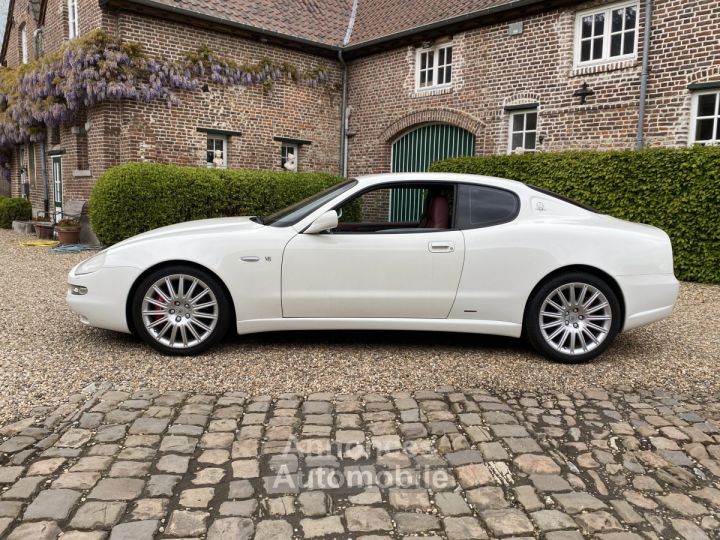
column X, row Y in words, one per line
column 438, row 213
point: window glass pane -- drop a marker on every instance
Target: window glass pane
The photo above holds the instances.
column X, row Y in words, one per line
column 423, row 60
column 597, row 48
column 599, row 24
column 585, row 51
column 441, row 76
column 617, row 20
column 448, row 74
column 615, row 44
column 518, row 122
column 629, row 47
column 517, row 140
column 586, row 27
column 706, row 104
column 630, row 18
column 481, row 206
column 441, row 57
column 448, row 55
column 210, row 144
column 430, row 60
column 704, row 130
column 530, row 140
column 717, row 133
column 531, row 122
column 422, row 78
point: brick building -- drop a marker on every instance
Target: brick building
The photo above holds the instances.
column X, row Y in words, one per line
column 408, row 82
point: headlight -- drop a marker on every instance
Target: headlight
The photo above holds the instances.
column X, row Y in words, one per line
column 93, row 264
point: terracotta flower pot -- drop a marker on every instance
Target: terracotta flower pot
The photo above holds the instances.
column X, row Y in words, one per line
column 44, row 229
column 68, row 234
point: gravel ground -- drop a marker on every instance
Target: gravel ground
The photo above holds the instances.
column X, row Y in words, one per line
column 46, row 354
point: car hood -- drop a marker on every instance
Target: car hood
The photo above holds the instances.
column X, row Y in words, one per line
column 193, row 228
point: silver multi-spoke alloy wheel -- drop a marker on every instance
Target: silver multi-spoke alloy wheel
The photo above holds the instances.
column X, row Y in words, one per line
column 180, row 311
column 575, row 318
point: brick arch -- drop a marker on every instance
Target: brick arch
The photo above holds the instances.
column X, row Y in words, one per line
column 521, row 99
column 432, row 116
column 705, row 75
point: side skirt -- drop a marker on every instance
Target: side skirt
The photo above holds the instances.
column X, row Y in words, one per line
column 497, row 328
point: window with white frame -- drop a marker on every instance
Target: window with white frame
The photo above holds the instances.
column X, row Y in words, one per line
column 217, row 151
column 523, row 131
column 73, row 31
column 24, row 54
column 289, row 156
column 706, row 118
column 606, row 35
column 433, row 67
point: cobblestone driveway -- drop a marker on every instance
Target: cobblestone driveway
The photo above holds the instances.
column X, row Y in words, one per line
column 449, row 463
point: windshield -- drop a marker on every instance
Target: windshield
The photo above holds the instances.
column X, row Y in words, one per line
column 294, row 213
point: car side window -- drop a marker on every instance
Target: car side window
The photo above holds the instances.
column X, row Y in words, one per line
column 403, row 208
column 483, row 206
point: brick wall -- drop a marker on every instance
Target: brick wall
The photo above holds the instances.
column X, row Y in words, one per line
column 493, row 69
column 126, row 131
column 160, row 133
column 73, row 150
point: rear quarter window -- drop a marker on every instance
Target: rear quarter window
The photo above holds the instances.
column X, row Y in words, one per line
column 484, row 206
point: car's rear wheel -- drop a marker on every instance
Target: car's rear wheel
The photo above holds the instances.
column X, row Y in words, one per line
column 180, row 310
column 573, row 317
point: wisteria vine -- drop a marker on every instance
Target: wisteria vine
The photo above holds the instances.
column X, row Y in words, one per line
column 100, row 68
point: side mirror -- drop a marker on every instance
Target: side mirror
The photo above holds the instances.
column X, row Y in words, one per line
column 329, row 220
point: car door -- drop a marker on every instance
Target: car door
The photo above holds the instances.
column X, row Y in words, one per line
column 374, row 266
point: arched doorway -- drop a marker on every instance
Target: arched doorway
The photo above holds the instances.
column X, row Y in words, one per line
column 414, row 151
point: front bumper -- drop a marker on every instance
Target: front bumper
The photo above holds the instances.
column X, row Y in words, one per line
column 648, row 298
column 103, row 306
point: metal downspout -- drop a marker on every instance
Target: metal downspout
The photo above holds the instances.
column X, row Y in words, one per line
column 640, row 141
column 344, row 107
column 343, row 118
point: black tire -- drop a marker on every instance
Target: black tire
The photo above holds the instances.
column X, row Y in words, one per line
column 570, row 321
column 222, row 311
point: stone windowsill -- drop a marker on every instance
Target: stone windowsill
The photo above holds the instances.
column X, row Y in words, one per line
column 433, row 92
column 603, row 68
column 82, row 173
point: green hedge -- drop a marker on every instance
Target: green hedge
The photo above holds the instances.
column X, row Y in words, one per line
column 14, row 209
column 677, row 190
column 137, row 197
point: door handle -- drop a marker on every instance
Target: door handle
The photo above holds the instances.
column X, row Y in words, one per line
column 441, row 247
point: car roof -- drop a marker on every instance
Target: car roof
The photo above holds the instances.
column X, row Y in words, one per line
column 372, row 179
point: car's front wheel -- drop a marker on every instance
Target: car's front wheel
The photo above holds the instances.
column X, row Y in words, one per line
column 180, row 310
column 573, row 318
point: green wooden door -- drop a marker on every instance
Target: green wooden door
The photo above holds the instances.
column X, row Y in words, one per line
column 414, row 152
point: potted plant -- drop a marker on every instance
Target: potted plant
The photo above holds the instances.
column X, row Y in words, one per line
column 43, row 226
column 68, row 230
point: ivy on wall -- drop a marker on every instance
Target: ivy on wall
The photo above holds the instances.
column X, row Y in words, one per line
column 99, row 68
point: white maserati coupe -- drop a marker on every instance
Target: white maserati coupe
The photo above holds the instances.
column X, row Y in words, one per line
column 412, row 251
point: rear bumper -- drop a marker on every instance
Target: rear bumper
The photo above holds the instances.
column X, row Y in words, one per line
column 103, row 306
column 648, row 298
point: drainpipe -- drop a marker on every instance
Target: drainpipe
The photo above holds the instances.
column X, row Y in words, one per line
column 343, row 118
column 640, row 141
column 344, row 106
column 46, row 191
